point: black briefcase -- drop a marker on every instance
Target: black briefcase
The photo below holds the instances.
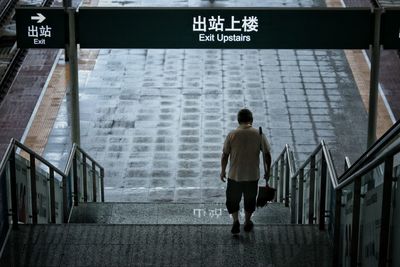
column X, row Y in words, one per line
column 265, row 194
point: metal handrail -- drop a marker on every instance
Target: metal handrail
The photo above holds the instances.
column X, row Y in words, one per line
column 75, row 148
column 70, row 159
column 308, row 160
column 382, row 151
column 284, row 165
column 72, row 164
column 291, row 163
column 14, row 143
column 384, row 140
column 331, row 168
column 298, row 178
column 372, row 164
column 40, row 158
column 6, row 156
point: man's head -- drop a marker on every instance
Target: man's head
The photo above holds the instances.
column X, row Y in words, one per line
column 245, row 116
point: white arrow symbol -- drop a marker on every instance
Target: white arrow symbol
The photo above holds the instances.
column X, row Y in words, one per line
column 40, row 18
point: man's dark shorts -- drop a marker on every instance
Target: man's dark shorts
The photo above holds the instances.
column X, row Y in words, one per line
column 234, row 192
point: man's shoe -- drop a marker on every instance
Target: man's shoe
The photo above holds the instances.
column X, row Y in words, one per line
column 235, row 228
column 248, row 226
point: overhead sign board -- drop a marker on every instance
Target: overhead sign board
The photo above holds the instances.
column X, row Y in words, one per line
column 41, row 27
column 247, row 28
column 390, row 30
column 262, row 28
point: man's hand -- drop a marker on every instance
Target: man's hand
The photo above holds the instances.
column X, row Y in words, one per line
column 222, row 176
column 224, row 162
column 266, row 176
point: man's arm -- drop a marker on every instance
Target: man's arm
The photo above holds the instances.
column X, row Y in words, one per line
column 224, row 162
column 268, row 160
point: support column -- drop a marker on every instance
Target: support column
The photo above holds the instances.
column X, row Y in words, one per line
column 74, row 82
column 66, row 5
column 374, row 81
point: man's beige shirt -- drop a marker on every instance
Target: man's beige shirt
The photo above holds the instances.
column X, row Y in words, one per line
column 243, row 145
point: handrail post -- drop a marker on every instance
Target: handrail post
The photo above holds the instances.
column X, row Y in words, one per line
column 287, row 179
column 281, row 175
column 338, row 215
column 322, row 194
column 94, row 182
column 301, row 197
column 312, row 191
column 32, row 161
column 52, row 198
column 336, row 233
column 293, row 201
column 13, row 185
column 276, row 179
column 75, row 174
column 85, row 188
column 102, row 183
column 355, row 225
column 65, row 199
column 386, row 209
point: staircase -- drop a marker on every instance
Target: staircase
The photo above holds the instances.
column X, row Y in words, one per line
column 317, row 218
column 146, row 234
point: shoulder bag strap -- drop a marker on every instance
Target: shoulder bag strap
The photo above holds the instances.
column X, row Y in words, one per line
column 263, row 150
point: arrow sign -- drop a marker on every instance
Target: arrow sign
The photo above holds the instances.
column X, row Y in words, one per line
column 40, row 18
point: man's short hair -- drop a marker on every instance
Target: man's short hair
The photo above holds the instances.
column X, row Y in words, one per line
column 245, row 115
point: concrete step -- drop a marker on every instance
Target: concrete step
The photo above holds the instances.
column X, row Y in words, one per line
column 171, row 213
column 166, row 245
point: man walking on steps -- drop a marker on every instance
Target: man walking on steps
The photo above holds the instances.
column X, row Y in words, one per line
column 242, row 146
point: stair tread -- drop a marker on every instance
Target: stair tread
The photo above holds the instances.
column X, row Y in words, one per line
column 171, row 213
column 166, row 245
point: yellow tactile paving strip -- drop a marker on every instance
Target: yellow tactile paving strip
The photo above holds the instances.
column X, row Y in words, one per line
column 47, row 113
column 361, row 74
column 48, row 110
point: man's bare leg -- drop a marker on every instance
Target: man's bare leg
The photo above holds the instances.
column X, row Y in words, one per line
column 247, row 216
column 236, row 225
column 248, row 224
column 235, row 216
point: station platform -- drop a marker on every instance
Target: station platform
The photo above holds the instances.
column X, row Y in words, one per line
column 156, row 119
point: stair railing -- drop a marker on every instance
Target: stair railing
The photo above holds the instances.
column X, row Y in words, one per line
column 281, row 171
column 363, row 185
column 310, row 191
column 342, row 204
column 32, row 190
column 90, row 168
